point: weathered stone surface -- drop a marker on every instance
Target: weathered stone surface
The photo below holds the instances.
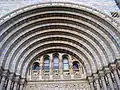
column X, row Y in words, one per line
column 87, row 35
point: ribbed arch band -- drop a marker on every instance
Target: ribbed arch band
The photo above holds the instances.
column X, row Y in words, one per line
column 25, row 34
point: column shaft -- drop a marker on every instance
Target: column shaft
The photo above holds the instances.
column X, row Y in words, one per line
column 97, row 84
column 2, row 83
column 41, row 68
column 110, row 81
column 21, row 87
column 51, row 64
column 11, row 76
column 91, row 86
column 114, row 70
column 71, row 67
column 15, row 85
column 116, row 78
column 90, row 80
column 101, row 74
column 22, row 83
column 119, row 73
column 103, row 83
column 60, row 64
column 9, row 84
column 97, row 81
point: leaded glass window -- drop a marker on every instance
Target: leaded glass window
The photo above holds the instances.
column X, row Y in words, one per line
column 46, row 63
column 65, row 63
column 75, row 66
column 55, row 63
column 36, row 66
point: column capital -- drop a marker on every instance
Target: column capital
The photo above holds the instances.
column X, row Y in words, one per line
column 17, row 78
column 112, row 66
column 95, row 76
column 11, row 76
column 107, row 70
column 22, row 81
column 90, row 78
column 117, row 62
column 1, row 69
column 60, row 56
column 101, row 73
column 5, row 73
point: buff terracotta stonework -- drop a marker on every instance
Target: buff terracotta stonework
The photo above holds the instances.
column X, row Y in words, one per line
column 84, row 34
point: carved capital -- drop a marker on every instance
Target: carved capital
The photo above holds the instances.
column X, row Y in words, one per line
column 17, row 78
column 5, row 73
column 107, row 70
column 22, row 81
column 90, row 79
column 11, row 76
column 101, row 73
column 117, row 62
column 1, row 69
column 112, row 66
column 95, row 76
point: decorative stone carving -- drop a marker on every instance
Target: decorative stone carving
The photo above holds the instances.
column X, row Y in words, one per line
column 114, row 70
column 61, row 74
column 86, row 34
column 62, row 85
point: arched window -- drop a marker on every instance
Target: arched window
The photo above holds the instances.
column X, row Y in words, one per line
column 55, row 62
column 46, row 63
column 75, row 66
column 65, row 63
column 36, row 66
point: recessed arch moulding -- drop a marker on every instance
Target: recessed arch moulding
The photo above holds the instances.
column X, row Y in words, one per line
column 29, row 32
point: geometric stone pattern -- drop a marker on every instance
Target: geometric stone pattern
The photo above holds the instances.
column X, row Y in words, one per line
column 85, row 33
column 62, row 85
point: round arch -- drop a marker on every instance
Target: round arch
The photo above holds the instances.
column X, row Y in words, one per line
column 83, row 31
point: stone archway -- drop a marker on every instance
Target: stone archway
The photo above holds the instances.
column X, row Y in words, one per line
column 89, row 35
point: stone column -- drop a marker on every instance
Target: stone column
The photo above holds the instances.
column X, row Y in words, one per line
column 22, row 82
column 30, row 73
column 16, row 82
column 117, row 62
column 3, row 80
column 107, row 73
column 101, row 74
column 1, row 70
column 60, row 64
column 118, row 73
column 71, row 67
column 11, row 76
column 51, row 66
column 114, row 70
column 96, row 79
column 41, row 68
column 90, row 80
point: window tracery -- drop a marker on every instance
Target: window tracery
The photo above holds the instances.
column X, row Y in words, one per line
column 53, row 65
column 46, row 63
column 75, row 66
column 36, row 66
column 65, row 63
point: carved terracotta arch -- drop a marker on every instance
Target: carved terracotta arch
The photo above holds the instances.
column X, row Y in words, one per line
column 83, row 31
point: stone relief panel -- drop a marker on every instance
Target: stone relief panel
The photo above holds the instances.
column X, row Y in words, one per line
column 61, row 85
